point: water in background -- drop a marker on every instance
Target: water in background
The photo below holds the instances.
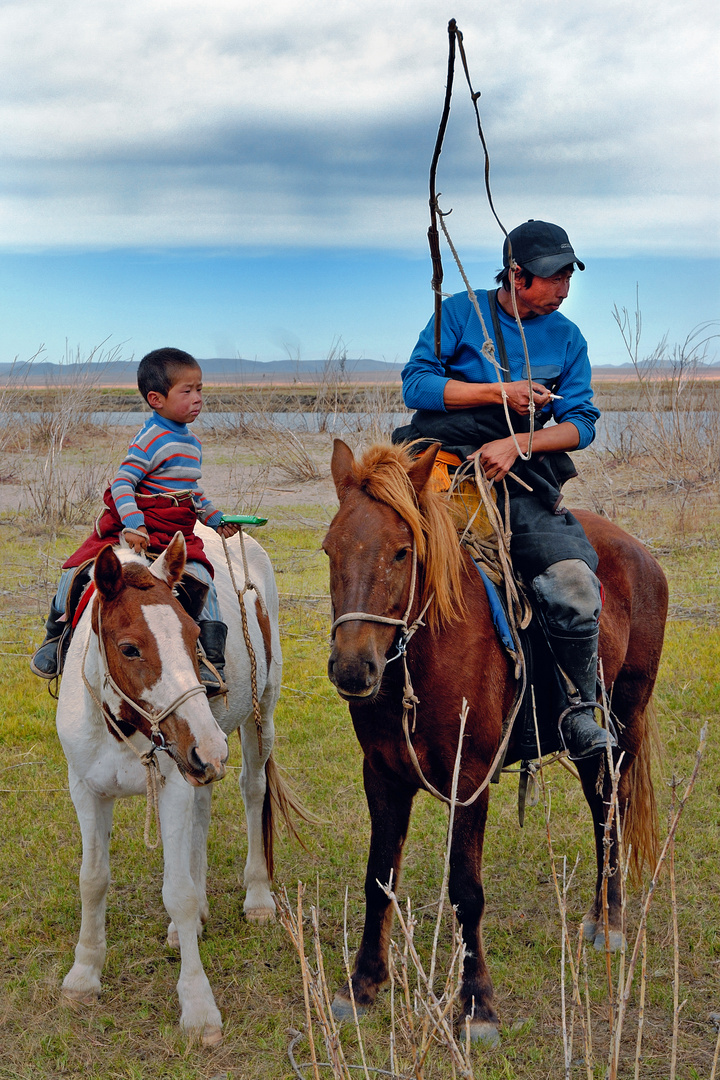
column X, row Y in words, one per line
column 611, row 426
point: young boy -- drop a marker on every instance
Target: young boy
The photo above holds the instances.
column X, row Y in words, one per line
column 155, row 493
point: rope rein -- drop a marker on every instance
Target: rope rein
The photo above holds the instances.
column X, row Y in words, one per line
column 154, row 779
column 410, row 700
column 248, row 586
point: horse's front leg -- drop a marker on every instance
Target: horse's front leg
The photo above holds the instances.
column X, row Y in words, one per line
column 468, row 897
column 259, row 904
column 82, row 983
column 389, row 803
column 198, row 859
column 198, row 1011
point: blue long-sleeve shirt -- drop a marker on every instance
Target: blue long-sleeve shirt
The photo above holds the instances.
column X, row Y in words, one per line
column 163, row 458
column 557, row 350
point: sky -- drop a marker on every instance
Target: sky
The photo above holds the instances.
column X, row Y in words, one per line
column 251, row 180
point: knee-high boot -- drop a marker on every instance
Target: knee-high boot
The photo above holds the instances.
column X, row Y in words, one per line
column 577, row 655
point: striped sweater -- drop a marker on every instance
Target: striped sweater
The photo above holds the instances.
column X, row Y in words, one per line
column 164, row 458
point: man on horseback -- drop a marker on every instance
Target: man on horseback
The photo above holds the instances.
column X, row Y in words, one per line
column 459, row 398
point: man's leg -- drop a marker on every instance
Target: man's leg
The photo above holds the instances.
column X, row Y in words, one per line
column 568, row 595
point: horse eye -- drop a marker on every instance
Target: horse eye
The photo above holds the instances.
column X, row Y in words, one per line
column 401, row 555
column 131, row 651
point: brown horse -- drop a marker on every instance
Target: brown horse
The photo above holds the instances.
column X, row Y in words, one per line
column 388, row 520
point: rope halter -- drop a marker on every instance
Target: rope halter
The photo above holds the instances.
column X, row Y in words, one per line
column 153, row 777
column 406, row 631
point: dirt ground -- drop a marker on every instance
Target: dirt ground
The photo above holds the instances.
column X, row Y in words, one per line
column 251, row 471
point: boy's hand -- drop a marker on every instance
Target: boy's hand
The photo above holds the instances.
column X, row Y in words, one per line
column 228, row 530
column 137, row 539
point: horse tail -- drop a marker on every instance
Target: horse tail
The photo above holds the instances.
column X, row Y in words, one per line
column 279, row 796
column 641, row 815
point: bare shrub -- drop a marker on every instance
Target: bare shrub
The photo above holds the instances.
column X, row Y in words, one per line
column 421, row 1013
column 63, row 494
column 249, row 484
column 674, row 431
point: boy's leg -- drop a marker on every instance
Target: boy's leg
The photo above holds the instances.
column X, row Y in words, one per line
column 213, row 633
column 45, row 661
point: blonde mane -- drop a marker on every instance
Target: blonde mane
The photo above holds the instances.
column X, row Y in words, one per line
column 382, row 473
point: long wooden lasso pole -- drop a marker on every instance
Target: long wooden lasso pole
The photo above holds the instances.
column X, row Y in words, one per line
column 436, row 214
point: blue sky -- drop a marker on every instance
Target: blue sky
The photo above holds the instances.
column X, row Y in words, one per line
column 244, row 181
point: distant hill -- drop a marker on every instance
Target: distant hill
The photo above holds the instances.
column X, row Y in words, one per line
column 254, row 372
column 215, row 369
column 659, row 371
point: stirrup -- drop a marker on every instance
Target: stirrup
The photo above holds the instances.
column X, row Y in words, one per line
column 600, row 744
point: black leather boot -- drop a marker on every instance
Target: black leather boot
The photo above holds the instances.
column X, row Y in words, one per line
column 577, row 655
column 45, row 661
column 212, row 639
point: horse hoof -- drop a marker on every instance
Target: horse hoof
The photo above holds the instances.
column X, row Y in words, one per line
column 617, row 940
column 76, row 999
column 260, row 915
column 485, row 1033
column 212, row 1036
column 342, row 1008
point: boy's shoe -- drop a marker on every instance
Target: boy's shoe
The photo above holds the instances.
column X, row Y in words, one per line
column 212, row 639
column 45, row 661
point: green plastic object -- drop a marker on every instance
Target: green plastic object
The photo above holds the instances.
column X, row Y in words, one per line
column 243, row 519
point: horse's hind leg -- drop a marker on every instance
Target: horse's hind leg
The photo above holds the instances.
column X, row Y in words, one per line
column 82, row 983
column 631, row 701
column 389, row 804
column 468, row 898
column 198, row 860
column 597, row 786
column 259, row 905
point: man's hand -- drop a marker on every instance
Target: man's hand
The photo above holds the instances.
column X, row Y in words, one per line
column 518, row 396
column 463, row 395
column 496, row 458
column 228, row 530
column 137, row 539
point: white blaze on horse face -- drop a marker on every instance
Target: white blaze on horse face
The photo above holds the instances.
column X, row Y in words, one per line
column 177, row 674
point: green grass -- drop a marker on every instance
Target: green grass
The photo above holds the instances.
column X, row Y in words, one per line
column 133, row 1032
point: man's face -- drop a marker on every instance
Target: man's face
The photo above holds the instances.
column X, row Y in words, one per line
column 544, row 294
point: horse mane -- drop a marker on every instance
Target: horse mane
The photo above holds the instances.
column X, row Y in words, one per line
column 382, row 473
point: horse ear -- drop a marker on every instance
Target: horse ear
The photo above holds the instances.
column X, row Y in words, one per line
column 421, row 468
column 170, row 565
column 341, row 467
column 108, row 573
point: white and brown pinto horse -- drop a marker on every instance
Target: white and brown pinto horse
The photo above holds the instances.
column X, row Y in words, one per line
column 131, row 683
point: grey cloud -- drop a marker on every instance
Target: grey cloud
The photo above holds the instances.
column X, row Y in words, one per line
column 322, row 123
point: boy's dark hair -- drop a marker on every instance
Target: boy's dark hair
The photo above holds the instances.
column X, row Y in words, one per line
column 158, row 370
column 503, row 277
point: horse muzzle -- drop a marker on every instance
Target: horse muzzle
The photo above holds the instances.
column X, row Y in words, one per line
column 197, row 772
column 201, row 760
column 355, row 677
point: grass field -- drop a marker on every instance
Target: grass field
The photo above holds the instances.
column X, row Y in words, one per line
column 133, row 1033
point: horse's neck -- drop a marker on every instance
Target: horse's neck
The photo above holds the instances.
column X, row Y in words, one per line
column 85, row 666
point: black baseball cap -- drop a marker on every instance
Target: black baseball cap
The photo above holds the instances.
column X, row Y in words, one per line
column 541, row 248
